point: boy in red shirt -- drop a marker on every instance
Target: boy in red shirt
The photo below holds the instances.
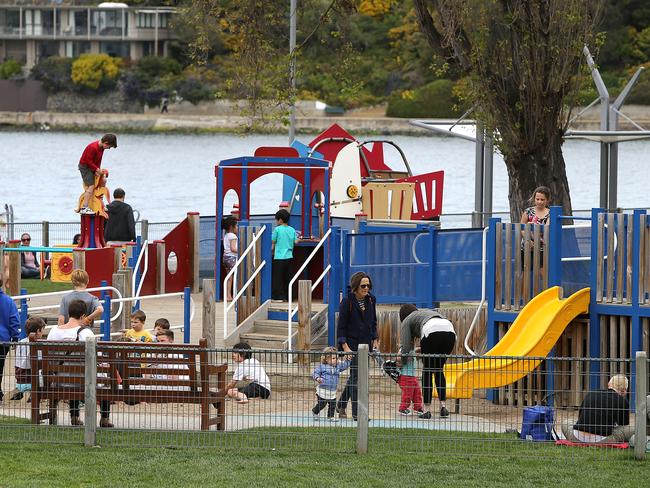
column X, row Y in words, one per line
column 90, row 166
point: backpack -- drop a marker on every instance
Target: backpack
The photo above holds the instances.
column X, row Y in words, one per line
column 538, row 423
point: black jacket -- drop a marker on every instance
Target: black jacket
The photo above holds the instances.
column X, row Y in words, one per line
column 601, row 411
column 356, row 326
column 120, row 225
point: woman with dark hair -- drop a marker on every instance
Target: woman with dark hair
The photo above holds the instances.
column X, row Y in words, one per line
column 437, row 336
column 357, row 325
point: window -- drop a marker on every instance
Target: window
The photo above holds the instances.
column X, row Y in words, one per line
column 147, row 20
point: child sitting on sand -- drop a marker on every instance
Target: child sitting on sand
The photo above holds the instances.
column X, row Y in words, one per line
column 249, row 379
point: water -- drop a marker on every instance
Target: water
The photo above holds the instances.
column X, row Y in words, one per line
column 167, row 175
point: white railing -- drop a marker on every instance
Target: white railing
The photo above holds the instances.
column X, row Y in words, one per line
column 147, row 297
column 233, row 272
column 291, row 312
column 144, row 251
column 480, row 305
column 118, row 300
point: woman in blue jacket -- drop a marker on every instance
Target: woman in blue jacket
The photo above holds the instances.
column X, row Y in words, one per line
column 357, row 325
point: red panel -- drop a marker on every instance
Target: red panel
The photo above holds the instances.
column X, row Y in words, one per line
column 276, row 152
column 428, row 194
column 178, row 241
column 330, row 149
column 376, row 157
column 99, row 265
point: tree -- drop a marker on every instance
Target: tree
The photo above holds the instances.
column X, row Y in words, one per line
column 522, row 58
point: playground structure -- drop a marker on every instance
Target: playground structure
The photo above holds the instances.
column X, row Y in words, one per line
column 603, row 262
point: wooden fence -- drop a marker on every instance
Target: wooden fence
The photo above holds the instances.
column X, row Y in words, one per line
column 522, row 265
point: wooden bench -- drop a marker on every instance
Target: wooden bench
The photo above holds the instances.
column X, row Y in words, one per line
column 130, row 373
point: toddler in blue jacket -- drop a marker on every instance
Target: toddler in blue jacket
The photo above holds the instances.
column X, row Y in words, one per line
column 326, row 375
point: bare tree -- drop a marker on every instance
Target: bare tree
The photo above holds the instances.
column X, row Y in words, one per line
column 522, row 58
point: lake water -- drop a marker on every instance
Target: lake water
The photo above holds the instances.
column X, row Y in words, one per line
column 167, row 175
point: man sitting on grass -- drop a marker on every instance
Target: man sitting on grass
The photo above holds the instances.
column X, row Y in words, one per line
column 604, row 416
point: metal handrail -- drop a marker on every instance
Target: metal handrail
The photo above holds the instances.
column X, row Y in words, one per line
column 480, row 305
column 240, row 259
column 54, row 293
column 143, row 252
column 291, row 312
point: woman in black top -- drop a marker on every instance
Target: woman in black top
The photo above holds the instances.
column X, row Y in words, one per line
column 357, row 325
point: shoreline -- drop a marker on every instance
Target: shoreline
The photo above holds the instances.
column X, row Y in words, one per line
column 195, row 124
column 209, row 124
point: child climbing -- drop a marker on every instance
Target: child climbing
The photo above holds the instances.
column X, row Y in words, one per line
column 90, row 167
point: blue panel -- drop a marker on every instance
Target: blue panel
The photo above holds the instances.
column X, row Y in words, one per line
column 458, row 266
column 576, row 242
column 399, row 274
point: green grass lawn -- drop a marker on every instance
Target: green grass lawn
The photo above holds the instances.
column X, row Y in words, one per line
column 37, row 286
column 275, row 458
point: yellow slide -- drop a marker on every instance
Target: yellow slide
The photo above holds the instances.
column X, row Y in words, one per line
column 533, row 333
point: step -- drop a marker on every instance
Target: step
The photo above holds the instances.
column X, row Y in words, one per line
column 272, row 326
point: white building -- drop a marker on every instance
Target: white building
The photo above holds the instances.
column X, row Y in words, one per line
column 31, row 33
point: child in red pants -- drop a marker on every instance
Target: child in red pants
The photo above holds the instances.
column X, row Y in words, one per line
column 411, row 391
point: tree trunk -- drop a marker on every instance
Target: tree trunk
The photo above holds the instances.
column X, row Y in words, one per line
column 542, row 166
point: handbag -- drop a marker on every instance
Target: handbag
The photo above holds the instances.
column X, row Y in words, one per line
column 537, row 423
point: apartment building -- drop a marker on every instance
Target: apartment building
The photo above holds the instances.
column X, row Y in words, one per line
column 31, row 33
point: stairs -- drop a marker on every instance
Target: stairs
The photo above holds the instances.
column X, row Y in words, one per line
column 270, row 330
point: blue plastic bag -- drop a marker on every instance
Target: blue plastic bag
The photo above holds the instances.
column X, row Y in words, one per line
column 537, row 423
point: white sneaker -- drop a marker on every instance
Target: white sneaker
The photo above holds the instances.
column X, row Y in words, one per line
column 316, row 417
column 86, row 211
column 332, row 419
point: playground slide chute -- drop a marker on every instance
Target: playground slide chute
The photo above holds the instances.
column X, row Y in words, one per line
column 533, row 334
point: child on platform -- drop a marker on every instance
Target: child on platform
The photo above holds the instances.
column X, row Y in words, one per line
column 410, row 386
column 137, row 332
column 284, row 238
column 230, row 250
column 327, row 375
column 23, row 366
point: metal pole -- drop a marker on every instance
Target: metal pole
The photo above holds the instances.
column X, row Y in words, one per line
column 641, row 417
column 106, row 319
column 477, row 216
column 292, row 70
column 488, row 177
column 23, row 313
column 90, row 394
column 362, row 399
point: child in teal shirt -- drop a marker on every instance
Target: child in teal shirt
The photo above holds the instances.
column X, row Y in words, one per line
column 284, row 237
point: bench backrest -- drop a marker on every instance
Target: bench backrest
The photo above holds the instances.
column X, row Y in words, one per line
column 150, row 367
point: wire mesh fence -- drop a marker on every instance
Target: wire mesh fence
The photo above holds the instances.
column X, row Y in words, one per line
column 161, row 394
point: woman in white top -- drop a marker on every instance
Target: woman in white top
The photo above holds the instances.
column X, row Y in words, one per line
column 437, row 336
column 75, row 330
column 230, row 249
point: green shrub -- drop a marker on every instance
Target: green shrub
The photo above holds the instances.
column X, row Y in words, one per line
column 194, row 90
column 10, row 69
column 54, row 72
column 156, row 67
column 435, row 99
column 93, row 71
column 640, row 94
